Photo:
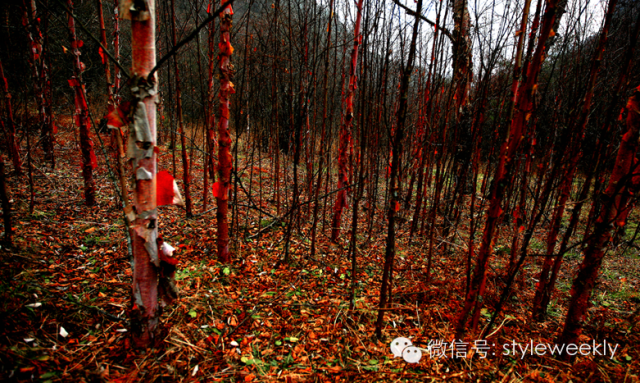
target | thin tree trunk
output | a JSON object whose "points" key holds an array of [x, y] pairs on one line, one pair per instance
{"points": [[6, 207], [10, 130], [523, 110], [105, 61], [622, 184], [345, 131], [224, 139], [181, 132], [32, 23], [395, 169], [209, 171], [580, 126], [89, 161], [321, 154]]}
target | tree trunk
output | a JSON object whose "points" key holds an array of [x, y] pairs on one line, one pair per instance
{"points": [[316, 205], [89, 161], [345, 131], [394, 202], [10, 130], [508, 151], [622, 184], [221, 188], [183, 137], [211, 123], [151, 271], [6, 207], [581, 123]]}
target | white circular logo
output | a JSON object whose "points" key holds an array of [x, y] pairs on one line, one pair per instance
{"points": [[412, 354], [399, 344]]}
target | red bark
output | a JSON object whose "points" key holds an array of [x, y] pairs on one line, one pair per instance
{"points": [[152, 266], [224, 139], [345, 131], [10, 130], [508, 151], [6, 207], [103, 56], [40, 78], [82, 115], [543, 291], [615, 202], [181, 132], [462, 68], [111, 104], [211, 123]]}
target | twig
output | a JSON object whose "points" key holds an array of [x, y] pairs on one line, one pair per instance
{"points": [[99, 310], [411, 12], [278, 219], [198, 349], [497, 329]]}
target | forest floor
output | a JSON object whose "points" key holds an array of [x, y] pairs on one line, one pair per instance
{"points": [[65, 288]]}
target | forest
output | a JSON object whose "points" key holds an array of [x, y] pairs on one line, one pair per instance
{"points": [[320, 190]]}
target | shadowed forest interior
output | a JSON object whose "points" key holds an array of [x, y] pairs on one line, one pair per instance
{"points": [[286, 190]]}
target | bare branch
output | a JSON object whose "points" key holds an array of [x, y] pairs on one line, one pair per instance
{"points": [[411, 12], [191, 36]]}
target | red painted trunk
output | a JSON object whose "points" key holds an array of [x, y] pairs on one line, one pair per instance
{"points": [[221, 188]]}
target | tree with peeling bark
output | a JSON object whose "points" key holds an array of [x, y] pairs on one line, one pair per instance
{"points": [[345, 130], [221, 187], [31, 21], [153, 266], [211, 123], [623, 185], [10, 127], [518, 127], [543, 290], [89, 160], [105, 60]]}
